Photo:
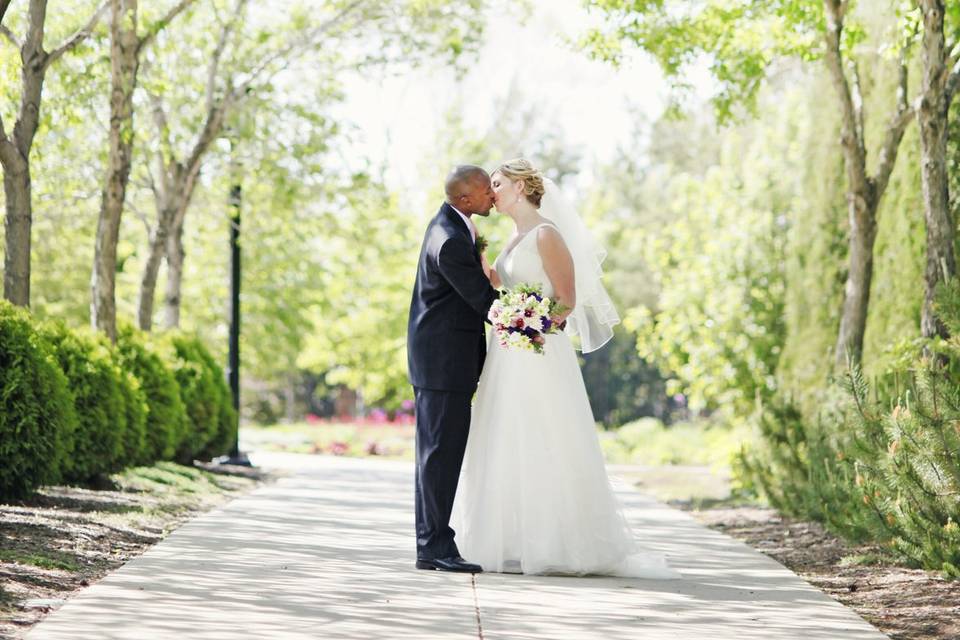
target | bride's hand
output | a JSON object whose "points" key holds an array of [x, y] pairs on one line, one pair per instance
{"points": [[490, 272], [486, 265]]}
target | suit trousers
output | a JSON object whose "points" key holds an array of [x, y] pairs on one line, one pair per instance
{"points": [[443, 422]]}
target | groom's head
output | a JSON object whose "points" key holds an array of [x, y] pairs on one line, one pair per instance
{"points": [[468, 189]]}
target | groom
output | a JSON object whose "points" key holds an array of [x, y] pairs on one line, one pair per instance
{"points": [[445, 351]]}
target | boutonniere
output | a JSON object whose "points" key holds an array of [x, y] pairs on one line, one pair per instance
{"points": [[481, 243]]}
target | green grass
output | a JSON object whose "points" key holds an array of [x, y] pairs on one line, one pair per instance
{"points": [[866, 559], [48, 559], [168, 477], [648, 441]]}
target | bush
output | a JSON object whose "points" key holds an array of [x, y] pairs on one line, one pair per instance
{"points": [[135, 450], [226, 437], [711, 442], [37, 417], [206, 397], [94, 382], [884, 464], [802, 468], [166, 423], [907, 466]]}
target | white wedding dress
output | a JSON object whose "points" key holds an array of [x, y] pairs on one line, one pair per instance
{"points": [[534, 496]]}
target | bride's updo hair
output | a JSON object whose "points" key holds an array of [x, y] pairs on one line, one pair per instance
{"points": [[521, 169]]}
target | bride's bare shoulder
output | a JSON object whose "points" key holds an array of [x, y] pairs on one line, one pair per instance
{"points": [[548, 233]]}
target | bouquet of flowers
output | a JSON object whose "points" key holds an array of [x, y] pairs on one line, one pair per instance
{"points": [[522, 316]]}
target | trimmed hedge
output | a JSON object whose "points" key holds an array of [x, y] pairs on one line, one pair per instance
{"points": [[74, 407], [37, 416], [167, 423], [136, 408], [94, 382], [206, 396], [226, 436]]}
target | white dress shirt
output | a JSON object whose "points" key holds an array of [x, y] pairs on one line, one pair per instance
{"points": [[466, 221]]}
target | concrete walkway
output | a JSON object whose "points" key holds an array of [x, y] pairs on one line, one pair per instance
{"points": [[327, 552]]}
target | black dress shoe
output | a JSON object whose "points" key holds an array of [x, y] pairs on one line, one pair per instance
{"points": [[453, 563]]}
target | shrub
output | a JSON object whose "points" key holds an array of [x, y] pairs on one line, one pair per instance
{"points": [[37, 417], [166, 422], [802, 467], [206, 396], [884, 464], [226, 436], [135, 450], [94, 382]]}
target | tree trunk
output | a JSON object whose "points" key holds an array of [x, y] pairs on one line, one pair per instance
{"points": [[148, 281], [15, 148], [175, 256], [16, 161], [19, 215], [864, 191], [124, 62], [856, 299], [179, 181], [932, 117]]}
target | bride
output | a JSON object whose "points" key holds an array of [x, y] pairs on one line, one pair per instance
{"points": [[534, 496]]}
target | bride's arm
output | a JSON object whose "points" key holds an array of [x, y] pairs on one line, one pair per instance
{"points": [[558, 264], [490, 272]]}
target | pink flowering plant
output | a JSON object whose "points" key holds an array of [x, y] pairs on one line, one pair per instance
{"points": [[522, 316]]}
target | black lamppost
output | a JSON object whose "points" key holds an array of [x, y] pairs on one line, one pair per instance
{"points": [[233, 357]]}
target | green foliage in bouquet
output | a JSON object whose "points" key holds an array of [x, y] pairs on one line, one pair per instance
{"points": [[37, 418]]}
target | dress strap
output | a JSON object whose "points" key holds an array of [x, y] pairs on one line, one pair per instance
{"points": [[542, 224]]}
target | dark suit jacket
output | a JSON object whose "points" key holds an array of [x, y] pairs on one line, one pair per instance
{"points": [[446, 344]]}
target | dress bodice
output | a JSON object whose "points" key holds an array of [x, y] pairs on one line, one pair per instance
{"points": [[523, 264]]}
